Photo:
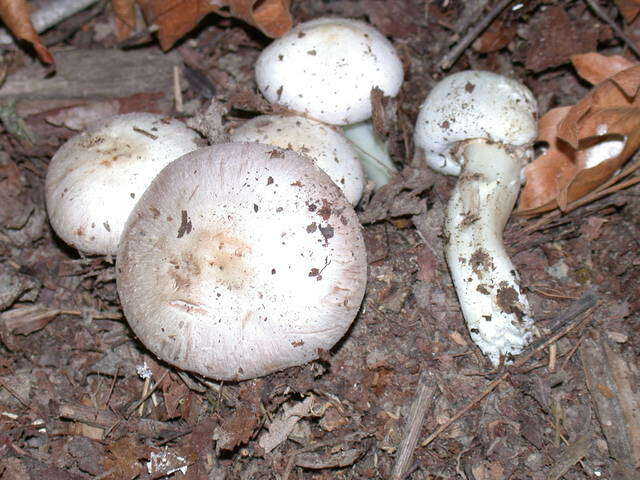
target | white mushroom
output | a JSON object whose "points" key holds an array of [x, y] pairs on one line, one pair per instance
{"points": [[481, 126], [328, 148], [240, 260], [326, 69], [96, 177]]}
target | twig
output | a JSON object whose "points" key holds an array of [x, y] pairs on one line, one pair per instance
{"points": [[565, 322], [145, 389], [113, 384], [177, 90], [353, 437], [73, 24], [95, 315], [174, 436], [450, 58], [145, 133], [614, 26], [146, 395], [553, 355], [607, 188], [425, 396], [104, 474], [15, 395], [50, 14], [570, 354], [108, 420]]}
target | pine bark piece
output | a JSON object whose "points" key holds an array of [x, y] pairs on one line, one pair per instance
{"points": [[611, 380], [570, 456], [92, 74]]}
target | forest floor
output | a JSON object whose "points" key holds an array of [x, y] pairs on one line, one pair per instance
{"points": [[73, 404]]}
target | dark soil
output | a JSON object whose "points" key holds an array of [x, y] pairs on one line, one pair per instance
{"points": [[70, 367]]}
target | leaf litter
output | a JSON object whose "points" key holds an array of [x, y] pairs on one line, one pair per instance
{"points": [[70, 397]]}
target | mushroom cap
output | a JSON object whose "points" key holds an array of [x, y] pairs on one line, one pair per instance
{"points": [[239, 260], [329, 149], [473, 105], [327, 67], [96, 177]]}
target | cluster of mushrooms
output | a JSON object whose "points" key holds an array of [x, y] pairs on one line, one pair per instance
{"points": [[240, 259]]}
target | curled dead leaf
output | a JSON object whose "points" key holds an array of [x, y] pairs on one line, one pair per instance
{"points": [[16, 15], [595, 67], [176, 18], [588, 142], [550, 171], [272, 17]]}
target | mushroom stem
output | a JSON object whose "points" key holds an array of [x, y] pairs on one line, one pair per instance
{"points": [[373, 152], [494, 306]]}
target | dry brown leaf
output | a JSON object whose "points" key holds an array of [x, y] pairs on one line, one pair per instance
{"points": [[629, 9], [16, 15], [550, 171], [595, 67], [565, 173], [175, 18], [125, 17], [495, 37]]}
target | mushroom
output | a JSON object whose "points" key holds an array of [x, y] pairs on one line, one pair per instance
{"points": [[326, 69], [239, 260], [481, 126], [372, 150], [327, 147], [96, 177]]}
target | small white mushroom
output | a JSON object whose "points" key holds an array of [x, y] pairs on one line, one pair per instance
{"points": [[96, 177], [326, 146], [326, 69], [481, 126], [240, 260]]}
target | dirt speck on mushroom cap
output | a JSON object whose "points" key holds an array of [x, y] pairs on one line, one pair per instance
{"points": [[233, 298]]}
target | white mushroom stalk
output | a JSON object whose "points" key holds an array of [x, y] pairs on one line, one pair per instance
{"points": [[482, 125], [373, 151], [326, 69]]}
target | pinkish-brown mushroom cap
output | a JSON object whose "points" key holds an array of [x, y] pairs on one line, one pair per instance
{"points": [[240, 260]]}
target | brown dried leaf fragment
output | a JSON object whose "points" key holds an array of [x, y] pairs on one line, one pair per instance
{"points": [[595, 67], [592, 140], [176, 18], [629, 9], [16, 16], [549, 172], [125, 18], [495, 37]]}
